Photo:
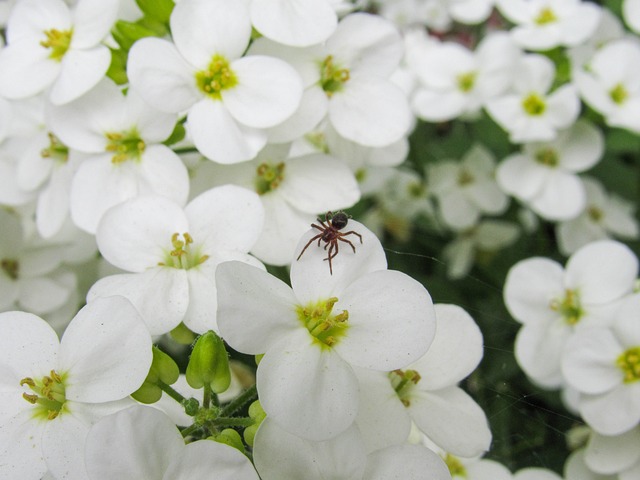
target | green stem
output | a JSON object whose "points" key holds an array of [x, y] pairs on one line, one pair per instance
{"points": [[206, 399], [249, 395], [189, 430], [233, 422], [171, 392], [185, 150]]}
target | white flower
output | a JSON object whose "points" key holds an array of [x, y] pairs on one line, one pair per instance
{"points": [[611, 85], [605, 215], [631, 14], [544, 175], [455, 81], [543, 25], [356, 314], [299, 23], [53, 391], [533, 113], [603, 364], [230, 99], [49, 45], [292, 191], [467, 189], [28, 271], [535, 473], [143, 443], [426, 392], [347, 78], [552, 302], [470, 245], [279, 454], [610, 455], [173, 253], [123, 136]]}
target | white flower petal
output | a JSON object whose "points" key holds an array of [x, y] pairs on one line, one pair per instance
{"points": [[610, 455], [105, 351], [589, 361], [311, 111], [252, 327], [310, 276], [530, 286], [268, 91], [26, 71], [199, 459], [382, 418], [142, 439], [201, 315], [538, 351], [92, 20], [160, 295], [452, 419], [161, 76], [218, 136], [20, 329], [299, 23], [391, 321], [414, 461], [63, 447], [279, 454], [136, 235], [204, 28], [370, 111], [21, 447], [614, 412], [602, 271], [81, 71], [283, 226], [455, 352], [562, 197], [29, 18], [367, 45], [318, 183], [308, 390], [42, 295], [225, 218]]}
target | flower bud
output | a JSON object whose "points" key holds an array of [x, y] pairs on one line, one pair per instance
{"points": [[230, 437], [163, 369], [209, 364]]}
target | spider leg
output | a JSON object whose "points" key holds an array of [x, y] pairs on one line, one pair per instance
{"points": [[313, 225], [307, 245], [354, 233], [333, 251], [347, 241]]}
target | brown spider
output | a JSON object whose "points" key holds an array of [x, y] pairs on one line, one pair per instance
{"points": [[330, 234]]}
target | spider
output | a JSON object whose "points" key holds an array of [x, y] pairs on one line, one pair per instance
{"points": [[330, 234]]}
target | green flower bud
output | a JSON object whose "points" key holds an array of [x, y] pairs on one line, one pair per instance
{"points": [[230, 437], [209, 364], [191, 406], [182, 334], [163, 369]]}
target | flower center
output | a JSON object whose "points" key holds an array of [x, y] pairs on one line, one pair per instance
{"points": [[217, 77], [183, 255], [125, 146], [547, 157], [466, 81], [619, 94], [416, 190], [322, 324], [629, 363], [56, 150], [534, 105], [48, 394], [569, 307], [11, 267], [456, 468], [545, 16], [318, 141], [332, 76], [403, 382], [595, 213], [269, 177], [58, 42], [465, 177]]}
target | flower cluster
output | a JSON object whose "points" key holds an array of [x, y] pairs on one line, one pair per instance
{"points": [[224, 225]]}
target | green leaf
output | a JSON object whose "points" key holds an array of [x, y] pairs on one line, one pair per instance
{"points": [[118, 69], [159, 10]]}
